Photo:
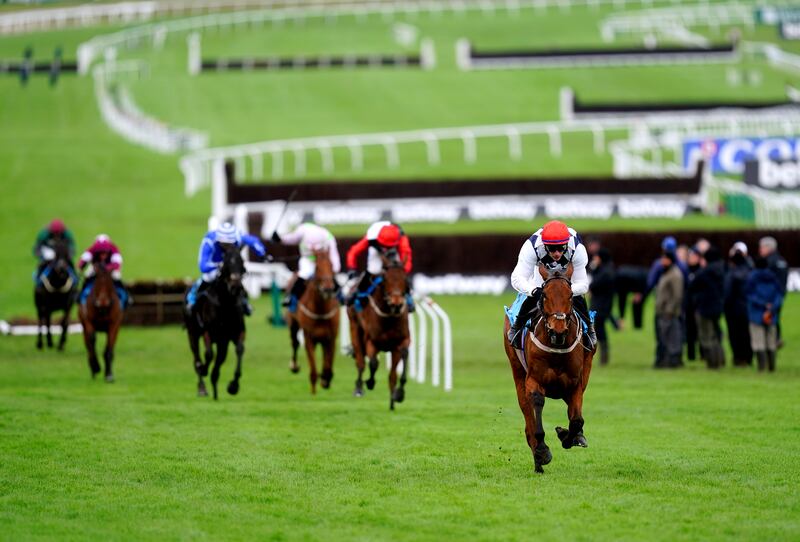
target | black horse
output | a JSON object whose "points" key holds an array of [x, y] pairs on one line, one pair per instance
{"points": [[218, 317], [56, 290]]}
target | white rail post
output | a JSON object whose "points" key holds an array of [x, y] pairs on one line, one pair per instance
{"points": [[514, 144], [435, 341], [219, 189], [427, 54], [277, 162], [356, 155], [422, 346], [470, 154], [555, 140], [392, 156], [598, 139], [432, 147], [412, 354], [463, 55], [327, 156], [447, 346], [299, 160]]}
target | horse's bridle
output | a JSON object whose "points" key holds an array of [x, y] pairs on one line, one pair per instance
{"points": [[393, 310], [552, 335]]}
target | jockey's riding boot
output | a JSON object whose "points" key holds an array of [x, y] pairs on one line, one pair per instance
{"points": [[294, 295], [515, 336], [590, 331]]}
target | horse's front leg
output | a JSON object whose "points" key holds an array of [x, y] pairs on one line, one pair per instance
{"points": [[108, 355], [208, 355], [357, 340], [328, 353], [294, 327], [313, 376], [47, 317], [64, 327], [222, 352], [398, 392], [372, 355], [89, 339], [40, 317], [233, 385], [574, 435], [541, 452]]}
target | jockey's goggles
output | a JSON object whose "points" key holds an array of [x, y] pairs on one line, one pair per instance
{"points": [[562, 247]]}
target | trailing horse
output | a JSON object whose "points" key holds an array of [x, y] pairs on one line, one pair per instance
{"points": [[382, 326], [56, 290], [217, 317], [554, 362], [318, 316], [101, 311]]}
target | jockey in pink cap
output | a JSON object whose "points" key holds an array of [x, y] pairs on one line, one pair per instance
{"points": [[103, 251], [556, 246]]}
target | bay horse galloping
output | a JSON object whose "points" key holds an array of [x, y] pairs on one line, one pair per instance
{"points": [[553, 362], [101, 312], [56, 290], [218, 317], [382, 326], [318, 316]]}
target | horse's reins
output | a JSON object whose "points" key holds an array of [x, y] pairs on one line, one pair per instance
{"points": [[50, 288], [383, 314]]}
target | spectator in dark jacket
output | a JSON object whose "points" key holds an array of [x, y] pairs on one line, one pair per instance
{"points": [[706, 292], [668, 246], [735, 304], [690, 321], [768, 248], [602, 288], [764, 300], [631, 279]]}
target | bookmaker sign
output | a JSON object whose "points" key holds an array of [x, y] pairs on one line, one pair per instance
{"points": [[772, 175], [729, 155]]}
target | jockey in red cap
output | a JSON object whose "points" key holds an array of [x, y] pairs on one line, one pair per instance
{"points": [[105, 252], [555, 245], [383, 238]]}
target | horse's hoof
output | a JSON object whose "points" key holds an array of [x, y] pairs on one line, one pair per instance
{"points": [[233, 387], [538, 468], [543, 456], [391, 404], [399, 395], [358, 392], [109, 378], [295, 368], [562, 433], [39, 346], [202, 393], [370, 383], [580, 440], [325, 384]]}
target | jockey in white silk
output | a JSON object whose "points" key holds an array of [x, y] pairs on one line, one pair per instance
{"points": [[556, 246], [309, 238]]}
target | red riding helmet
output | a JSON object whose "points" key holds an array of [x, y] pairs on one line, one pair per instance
{"points": [[57, 226], [555, 233], [389, 236]]}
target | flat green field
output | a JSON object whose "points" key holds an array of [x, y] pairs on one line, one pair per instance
{"points": [[683, 455]]}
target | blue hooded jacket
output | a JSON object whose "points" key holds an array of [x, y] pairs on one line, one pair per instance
{"points": [[763, 288]]}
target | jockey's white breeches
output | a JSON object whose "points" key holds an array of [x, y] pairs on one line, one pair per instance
{"points": [[374, 262], [210, 275], [306, 268]]}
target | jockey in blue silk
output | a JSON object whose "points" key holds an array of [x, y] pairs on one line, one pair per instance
{"points": [[212, 253], [556, 246]]}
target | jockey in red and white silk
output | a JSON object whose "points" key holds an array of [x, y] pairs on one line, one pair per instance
{"points": [[555, 245], [103, 250], [381, 237]]}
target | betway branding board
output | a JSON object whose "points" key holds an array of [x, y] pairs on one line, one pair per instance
{"points": [[773, 175], [729, 155]]}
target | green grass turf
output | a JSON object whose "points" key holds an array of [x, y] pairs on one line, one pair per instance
{"points": [[682, 455]]}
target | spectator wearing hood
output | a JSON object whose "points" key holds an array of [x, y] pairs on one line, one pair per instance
{"points": [[735, 304], [693, 258], [707, 295]]}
